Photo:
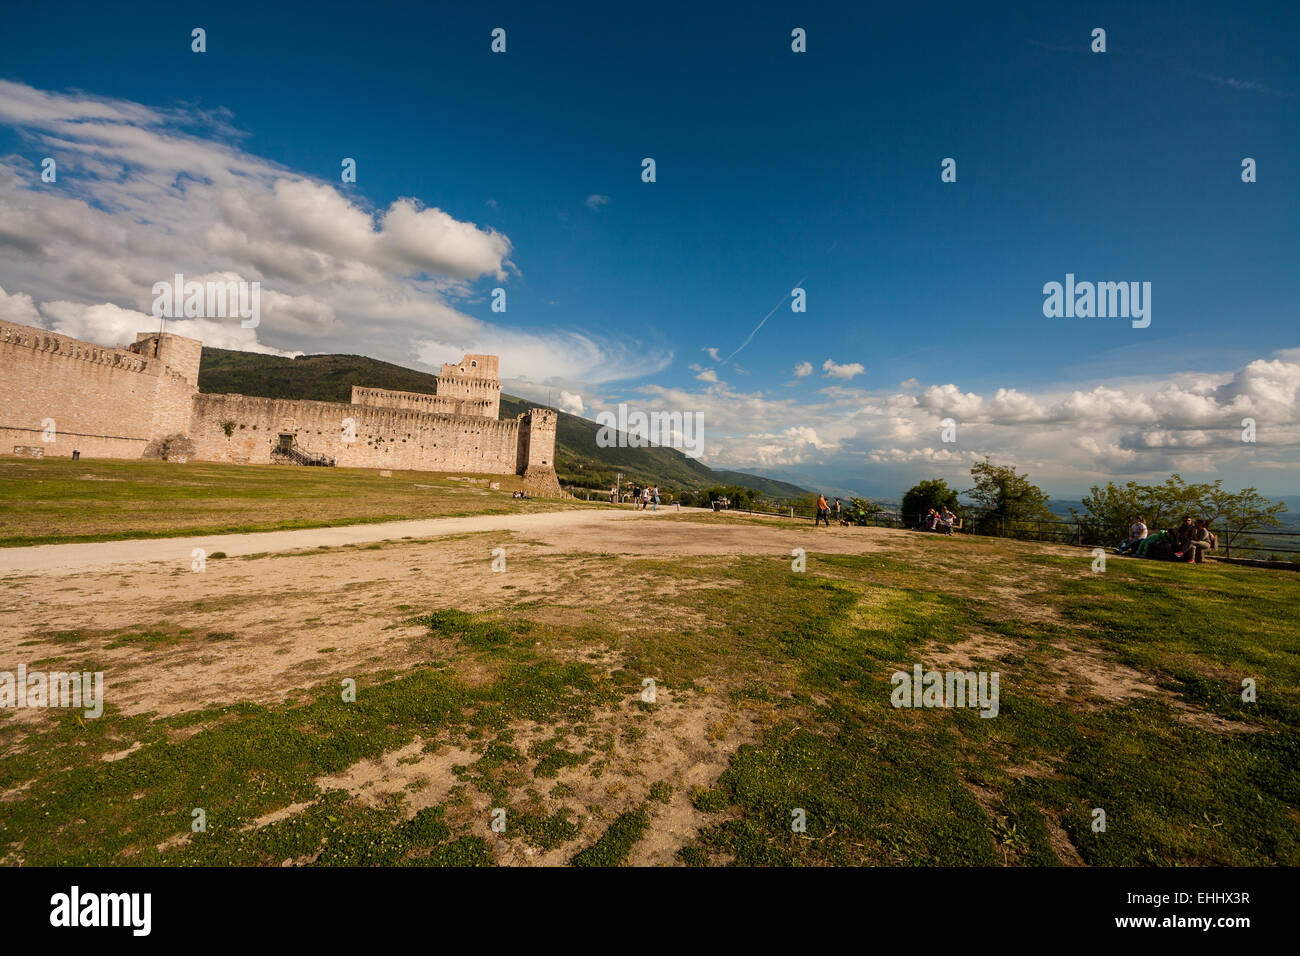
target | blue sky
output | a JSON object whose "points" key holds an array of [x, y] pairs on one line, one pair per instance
{"points": [[771, 167]]}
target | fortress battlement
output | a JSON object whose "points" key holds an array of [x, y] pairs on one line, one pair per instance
{"points": [[143, 401], [421, 401], [379, 416], [41, 340]]}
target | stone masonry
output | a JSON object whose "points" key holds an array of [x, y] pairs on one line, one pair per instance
{"points": [[61, 394]]}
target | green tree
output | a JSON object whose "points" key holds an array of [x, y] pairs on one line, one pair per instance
{"points": [[931, 493], [1168, 502], [1006, 498], [739, 496], [1111, 509], [805, 506], [860, 509], [1246, 510], [1109, 512]]}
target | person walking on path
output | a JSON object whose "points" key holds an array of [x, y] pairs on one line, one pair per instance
{"points": [[655, 497], [823, 511], [838, 517]]}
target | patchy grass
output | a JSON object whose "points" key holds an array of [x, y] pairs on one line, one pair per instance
{"points": [[1119, 692], [616, 842], [246, 761], [54, 500]]}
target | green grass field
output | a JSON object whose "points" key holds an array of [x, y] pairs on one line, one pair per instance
{"points": [[545, 696], [54, 500]]}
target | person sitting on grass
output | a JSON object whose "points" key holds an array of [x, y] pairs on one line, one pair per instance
{"points": [[930, 520], [1136, 532], [1154, 546], [1200, 541], [946, 520]]}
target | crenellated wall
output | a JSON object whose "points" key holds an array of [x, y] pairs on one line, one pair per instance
{"points": [[143, 401], [103, 402], [422, 402], [381, 437]]}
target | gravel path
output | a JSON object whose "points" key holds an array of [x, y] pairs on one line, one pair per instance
{"points": [[101, 555]]}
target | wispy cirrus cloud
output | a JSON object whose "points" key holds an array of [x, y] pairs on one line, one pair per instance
{"points": [[1246, 86]]}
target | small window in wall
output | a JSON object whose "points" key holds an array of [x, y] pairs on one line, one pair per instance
{"points": [[473, 364], [286, 441]]}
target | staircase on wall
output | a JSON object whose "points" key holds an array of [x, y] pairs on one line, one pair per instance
{"points": [[293, 455]]}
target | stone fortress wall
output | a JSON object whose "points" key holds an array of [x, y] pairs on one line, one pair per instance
{"points": [[422, 402], [143, 401], [104, 402]]}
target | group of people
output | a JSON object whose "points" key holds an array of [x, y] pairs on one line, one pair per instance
{"points": [[1188, 542], [647, 497], [824, 512], [941, 521]]}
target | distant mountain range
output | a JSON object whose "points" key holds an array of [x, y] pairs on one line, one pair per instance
{"points": [[578, 459]]}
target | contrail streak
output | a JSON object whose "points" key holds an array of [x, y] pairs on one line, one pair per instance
{"points": [[761, 324]]}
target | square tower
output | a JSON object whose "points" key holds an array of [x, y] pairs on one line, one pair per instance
{"points": [[473, 378], [180, 354], [474, 366]]}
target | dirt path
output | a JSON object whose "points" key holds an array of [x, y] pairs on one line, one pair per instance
{"points": [[284, 602], [281, 616], [98, 556]]}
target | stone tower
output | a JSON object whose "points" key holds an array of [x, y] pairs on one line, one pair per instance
{"points": [[536, 457], [180, 354], [474, 378], [177, 359]]}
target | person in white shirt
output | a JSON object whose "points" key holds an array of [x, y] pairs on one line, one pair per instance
{"points": [[1136, 532]]}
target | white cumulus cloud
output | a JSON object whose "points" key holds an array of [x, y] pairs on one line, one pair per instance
{"points": [[145, 193], [834, 370]]}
